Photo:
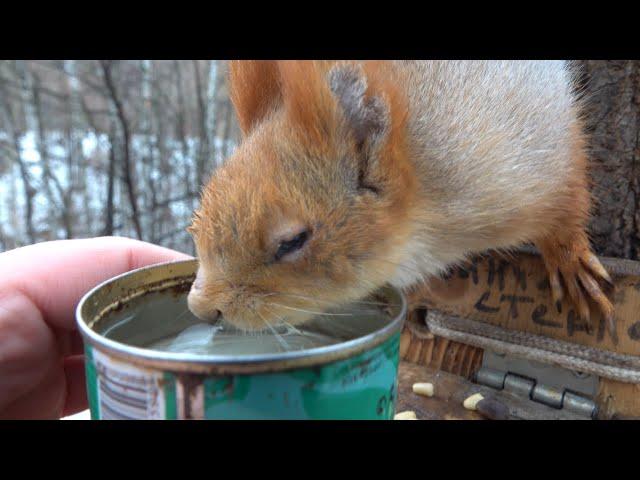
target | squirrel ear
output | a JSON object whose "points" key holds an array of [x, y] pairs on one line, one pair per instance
{"points": [[367, 116], [254, 89]]}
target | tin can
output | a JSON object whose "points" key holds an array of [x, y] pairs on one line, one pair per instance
{"points": [[355, 379]]}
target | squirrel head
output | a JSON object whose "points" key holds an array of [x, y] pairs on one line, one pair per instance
{"points": [[312, 209]]}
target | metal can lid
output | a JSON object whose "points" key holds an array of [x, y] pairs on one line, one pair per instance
{"points": [[172, 278]]}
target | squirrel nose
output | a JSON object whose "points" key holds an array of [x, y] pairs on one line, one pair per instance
{"points": [[210, 316], [202, 308], [203, 312]]}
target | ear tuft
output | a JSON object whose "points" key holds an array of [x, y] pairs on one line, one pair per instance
{"points": [[367, 116]]}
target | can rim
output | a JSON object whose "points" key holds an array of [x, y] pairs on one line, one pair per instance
{"points": [[227, 363]]}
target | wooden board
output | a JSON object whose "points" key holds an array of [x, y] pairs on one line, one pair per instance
{"points": [[419, 346], [451, 390], [513, 292]]}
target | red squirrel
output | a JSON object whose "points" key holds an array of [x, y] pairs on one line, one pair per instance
{"points": [[353, 174]]}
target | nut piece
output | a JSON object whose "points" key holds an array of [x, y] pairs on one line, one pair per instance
{"points": [[408, 415], [472, 402], [425, 389]]}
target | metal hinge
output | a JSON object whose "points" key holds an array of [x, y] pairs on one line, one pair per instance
{"points": [[555, 387]]}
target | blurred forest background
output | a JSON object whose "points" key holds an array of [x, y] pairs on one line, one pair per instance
{"points": [[122, 147], [93, 148]]}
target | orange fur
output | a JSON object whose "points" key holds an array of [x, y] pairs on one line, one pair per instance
{"points": [[450, 167], [294, 167], [254, 89]]}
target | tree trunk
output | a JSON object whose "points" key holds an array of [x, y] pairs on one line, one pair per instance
{"points": [[126, 134], [149, 165], [108, 221], [613, 121], [226, 136], [212, 110], [38, 125], [76, 163], [12, 124], [181, 133], [205, 147]]}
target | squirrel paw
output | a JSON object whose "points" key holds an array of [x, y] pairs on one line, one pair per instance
{"points": [[576, 270]]}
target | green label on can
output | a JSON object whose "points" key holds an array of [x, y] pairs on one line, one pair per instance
{"points": [[92, 382], [169, 388], [362, 387]]}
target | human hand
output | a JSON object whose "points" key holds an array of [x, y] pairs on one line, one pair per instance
{"points": [[41, 363]]}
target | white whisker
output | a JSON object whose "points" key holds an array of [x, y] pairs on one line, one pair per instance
{"points": [[285, 323], [281, 340], [310, 311]]}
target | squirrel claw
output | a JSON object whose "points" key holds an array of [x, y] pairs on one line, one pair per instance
{"points": [[577, 296], [594, 291], [556, 289], [584, 278], [591, 262]]}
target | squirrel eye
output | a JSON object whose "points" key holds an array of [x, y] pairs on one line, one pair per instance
{"points": [[290, 246]]}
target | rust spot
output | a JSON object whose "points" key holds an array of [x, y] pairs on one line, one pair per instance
{"points": [[176, 290]]}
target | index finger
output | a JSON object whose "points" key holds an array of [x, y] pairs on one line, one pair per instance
{"points": [[55, 275]]}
